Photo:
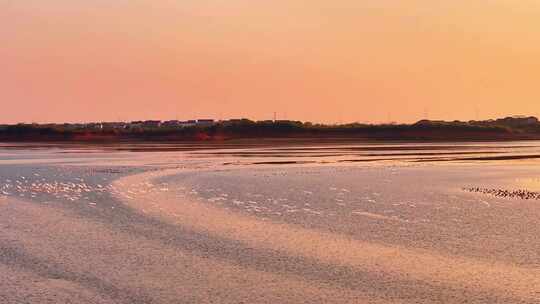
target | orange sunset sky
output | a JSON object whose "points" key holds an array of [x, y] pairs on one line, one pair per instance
{"points": [[317, 60]]}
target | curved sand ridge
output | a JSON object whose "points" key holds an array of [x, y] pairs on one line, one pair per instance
{"points": [[55, 256], [446, 272]]}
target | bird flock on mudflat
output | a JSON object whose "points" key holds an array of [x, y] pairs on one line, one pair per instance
{"points": [[519, 194]]}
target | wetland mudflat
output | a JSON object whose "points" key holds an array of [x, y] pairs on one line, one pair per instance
{"points": [[332, 223]]}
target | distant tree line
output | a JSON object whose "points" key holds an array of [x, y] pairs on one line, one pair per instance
{"points": [[507, 128]]}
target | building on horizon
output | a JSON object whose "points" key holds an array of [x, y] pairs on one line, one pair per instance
{"points": [[152, 123], [205, 122]]}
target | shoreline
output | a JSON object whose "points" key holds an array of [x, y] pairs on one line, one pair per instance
{"points": [[269, 140]]}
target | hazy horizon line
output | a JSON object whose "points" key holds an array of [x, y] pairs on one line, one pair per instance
{"points": [[262, 120]]}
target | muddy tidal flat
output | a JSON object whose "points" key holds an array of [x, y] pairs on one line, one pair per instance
{"points": [[270, 223]]}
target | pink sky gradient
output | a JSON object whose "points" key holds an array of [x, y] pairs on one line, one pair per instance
{"points": [[328, 61]]}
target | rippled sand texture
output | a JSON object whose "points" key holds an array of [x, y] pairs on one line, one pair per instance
{"points": [[154, 227], [454, 276]]}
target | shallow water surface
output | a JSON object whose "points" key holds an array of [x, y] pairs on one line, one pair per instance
{"points": [[270, 223]]}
